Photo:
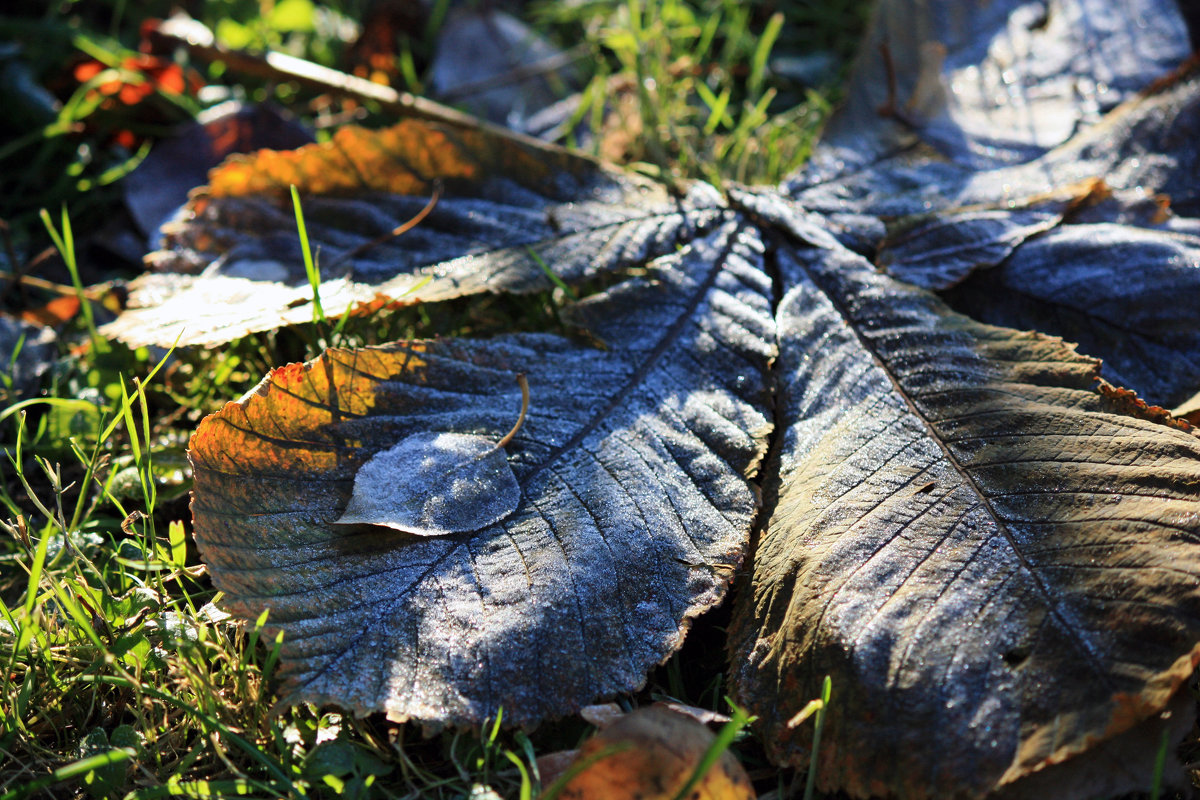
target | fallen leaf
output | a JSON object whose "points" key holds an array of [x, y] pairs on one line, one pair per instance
{"points": [[601, 714], [1129, 264], [941, 252], [551, 766], [649, 754], [977, 538], [55, 312], [632, 464], [434, 483], [508, 208]]}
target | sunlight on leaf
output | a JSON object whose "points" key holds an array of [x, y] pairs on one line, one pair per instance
{"points": [[635, 502], [507, 208]]}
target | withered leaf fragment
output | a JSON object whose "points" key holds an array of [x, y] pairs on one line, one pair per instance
{"points": [[650, 754], [234, 265], [633, 467], [433, 483]]}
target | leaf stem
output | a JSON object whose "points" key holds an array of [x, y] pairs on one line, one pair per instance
{"points": [[524, 384], [392, 234]]}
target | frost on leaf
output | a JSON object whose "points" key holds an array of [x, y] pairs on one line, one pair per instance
{"points": [[968, 537], [233, 264], [973, 536], [633, 466], [434, 483]]}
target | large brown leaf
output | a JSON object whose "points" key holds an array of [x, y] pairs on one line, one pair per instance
{"points": [[974, 541], [634, 511], [507, 208]]}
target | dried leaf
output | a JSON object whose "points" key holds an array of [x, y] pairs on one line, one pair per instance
{"points": [[601, 714], [431, 484], [650, 754], [508, 207], [939, 253], [634, 500], [1021, 90]]}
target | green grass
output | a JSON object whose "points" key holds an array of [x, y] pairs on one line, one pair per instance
{"points": [[121, 676], [684, 90]]}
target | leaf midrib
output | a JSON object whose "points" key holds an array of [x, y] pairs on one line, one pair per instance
{"points": [[669, 337], [1048, 597], [649, 362]]}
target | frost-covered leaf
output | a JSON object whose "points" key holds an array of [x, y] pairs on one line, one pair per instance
{"points": [[1129, 294], [990, 84], [980, 542], [633, 466], [1111, 269], [941, 252], [1089, 240], [975, 539], [969, 537], [234, 263], [438, 482], [997, 104], [434, 483]]}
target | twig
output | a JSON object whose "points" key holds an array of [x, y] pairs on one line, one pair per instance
{"points": [[518, 74], [200, 42], [890, 108], [95, 292]]}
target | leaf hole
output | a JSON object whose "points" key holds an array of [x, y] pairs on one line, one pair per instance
{"points": [[1016, 657]]}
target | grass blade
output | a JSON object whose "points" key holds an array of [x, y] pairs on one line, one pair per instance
{"points": [[810, 783], [310, 266], [720, 744]]}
